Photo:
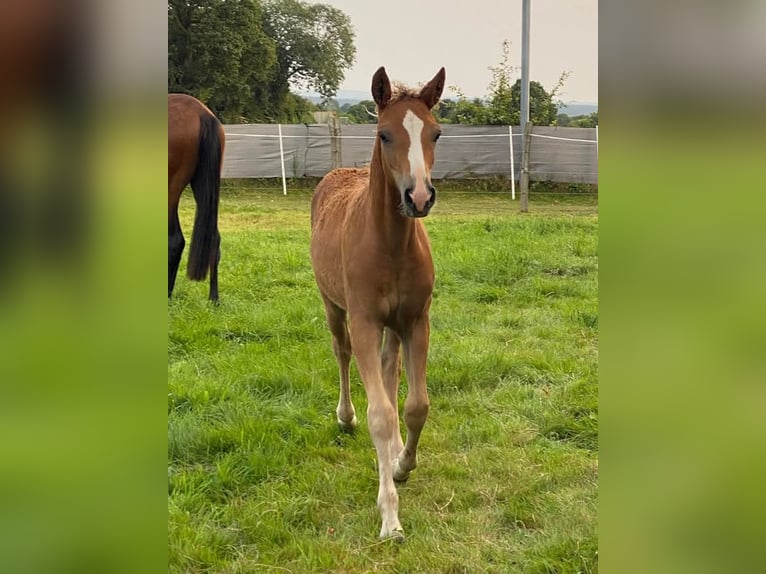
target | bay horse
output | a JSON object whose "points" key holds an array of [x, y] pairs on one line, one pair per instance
{"points": [[196, 143], [372, 263]]}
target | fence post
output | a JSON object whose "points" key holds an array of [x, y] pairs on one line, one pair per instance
{"points": [[513, 169], [524, 180], [282, 158], [335, 155]]}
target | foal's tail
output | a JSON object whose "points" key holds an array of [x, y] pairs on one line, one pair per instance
{"points": [[206, 184]]}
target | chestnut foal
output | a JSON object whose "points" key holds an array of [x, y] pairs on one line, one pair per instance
{"points": [[372, 263]]}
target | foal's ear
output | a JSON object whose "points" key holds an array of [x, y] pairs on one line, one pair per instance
{"points": [[381, 88], [432, 91]]}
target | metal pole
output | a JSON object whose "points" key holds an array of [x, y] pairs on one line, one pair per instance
{"points": [[524, 179], [525, 20]]}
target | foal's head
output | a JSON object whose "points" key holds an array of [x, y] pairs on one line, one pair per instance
{"points": [[407, 134]]}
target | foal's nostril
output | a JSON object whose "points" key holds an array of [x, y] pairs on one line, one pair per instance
{"points": [[432, 199], [409, 201]]}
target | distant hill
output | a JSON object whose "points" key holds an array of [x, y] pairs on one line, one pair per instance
{"points": [[578, 108], [355, 96], [342, 97]]}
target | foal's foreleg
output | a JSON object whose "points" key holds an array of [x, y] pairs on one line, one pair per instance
{"points": [[416, 406], [392, 371], [381, 419], [341, 344]]}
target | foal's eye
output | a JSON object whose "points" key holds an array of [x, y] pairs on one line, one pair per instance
{"points": [[384, 137], [436, 136]]}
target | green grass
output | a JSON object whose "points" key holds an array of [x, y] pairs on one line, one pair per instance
{"points": [[261, 480]]}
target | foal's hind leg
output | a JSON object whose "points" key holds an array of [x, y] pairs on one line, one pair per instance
{"points": [[176, 244], [392, 371], [341, 344]]}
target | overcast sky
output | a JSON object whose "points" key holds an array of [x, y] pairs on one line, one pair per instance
{"points": [[414, 38]]}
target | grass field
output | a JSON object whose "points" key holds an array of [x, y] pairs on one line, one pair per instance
{"points": [[260, 479]]}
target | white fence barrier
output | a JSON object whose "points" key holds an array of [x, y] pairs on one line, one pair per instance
{"points": [[272, 151]]}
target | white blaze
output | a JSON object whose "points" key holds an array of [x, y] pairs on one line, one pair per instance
{"points": [[414, 126]]}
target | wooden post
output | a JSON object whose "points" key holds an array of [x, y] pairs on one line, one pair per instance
{"points": [[524, 179], [335, 155]]}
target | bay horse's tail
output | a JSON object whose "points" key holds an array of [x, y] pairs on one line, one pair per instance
{"points": [[206, 184]]}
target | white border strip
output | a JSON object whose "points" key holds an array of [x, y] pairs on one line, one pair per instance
{"points": [[562, 139], [474, 136]]}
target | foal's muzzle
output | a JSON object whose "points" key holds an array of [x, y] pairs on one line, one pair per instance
{"points": [[411, 208]]}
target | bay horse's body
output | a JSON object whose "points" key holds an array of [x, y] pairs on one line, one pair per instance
{"points": [[372, 263], [196, 143]]}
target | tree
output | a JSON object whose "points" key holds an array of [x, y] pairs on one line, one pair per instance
{"points": [[472, 112], [240, 57], [362, 112], [505, 98], [501, 110], [589, 121], [542, 109], [465, 111], [219, 52], [503, 104], [315, 45], [444, 110], [297, 110]]}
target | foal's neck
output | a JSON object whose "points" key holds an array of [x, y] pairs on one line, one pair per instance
{"points": [[386, 218]]}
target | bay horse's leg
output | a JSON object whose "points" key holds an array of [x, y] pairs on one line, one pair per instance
{"points": [[416, 405], [366, 339], [392, 371], [214, 260], [341, 344], [176, 244]]}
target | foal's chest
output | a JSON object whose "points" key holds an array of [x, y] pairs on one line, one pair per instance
{"points": [[406, 295]]}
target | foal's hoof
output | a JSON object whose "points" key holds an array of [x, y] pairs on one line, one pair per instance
{"points": [[396, 535], [400, 475], [348, 426]]}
